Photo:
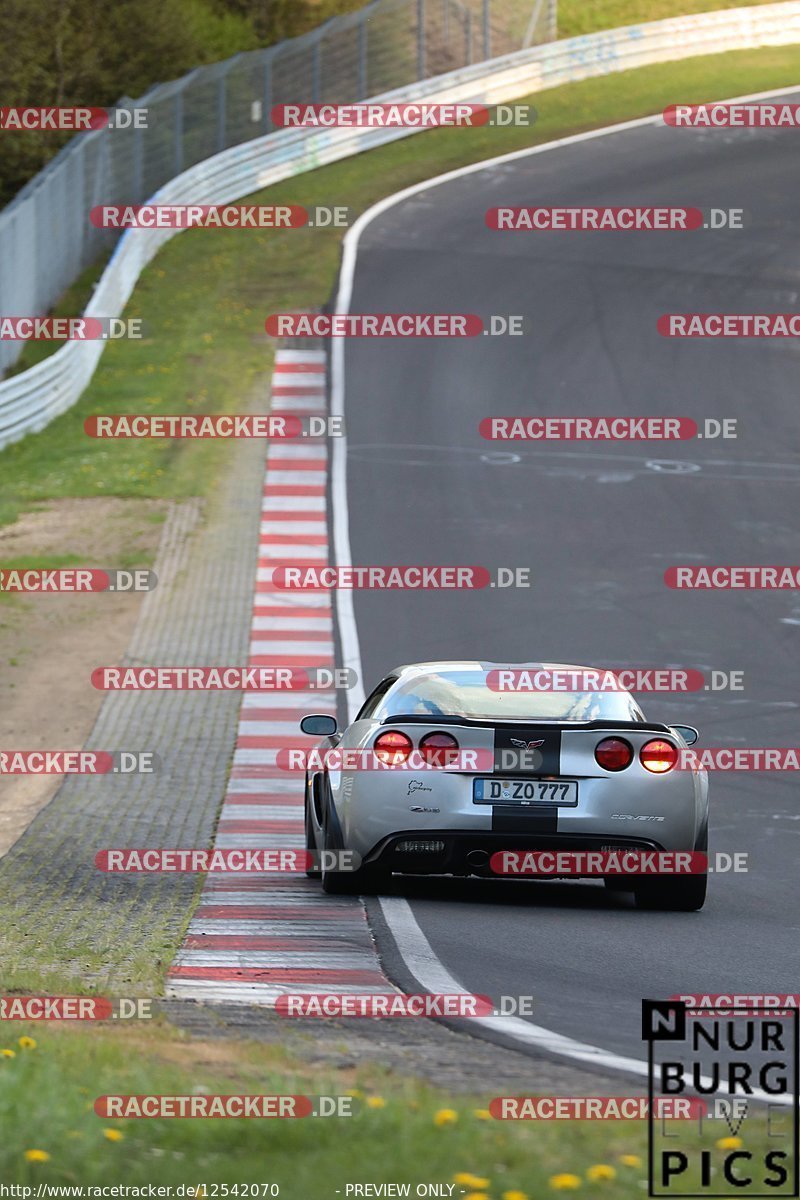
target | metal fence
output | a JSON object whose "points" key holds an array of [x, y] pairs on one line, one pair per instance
{"points": [[46, 239]]}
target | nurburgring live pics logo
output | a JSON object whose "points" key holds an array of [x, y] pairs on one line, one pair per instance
{"points": [[731, 1059]]}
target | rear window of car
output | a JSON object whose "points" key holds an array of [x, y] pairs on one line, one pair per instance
{"points": [[467, 694]]}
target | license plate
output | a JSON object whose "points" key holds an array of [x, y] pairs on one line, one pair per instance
{"points": [[525, 791]]}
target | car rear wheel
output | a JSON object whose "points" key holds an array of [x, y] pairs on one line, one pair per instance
{"points": [[363, 881], [687, 894], [311, 840]]}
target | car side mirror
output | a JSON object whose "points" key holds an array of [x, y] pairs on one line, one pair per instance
{"points": [[319, 725], [687, 732]]}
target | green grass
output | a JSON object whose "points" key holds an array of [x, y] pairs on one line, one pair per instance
{"points": [[588, 16], [47, 1095], [205, 296]]}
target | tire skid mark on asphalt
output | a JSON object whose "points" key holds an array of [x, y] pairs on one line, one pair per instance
{"points": [[255, 937]]}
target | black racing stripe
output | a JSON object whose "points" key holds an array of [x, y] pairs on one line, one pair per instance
{"points": [[527, 750], [542, 819]]}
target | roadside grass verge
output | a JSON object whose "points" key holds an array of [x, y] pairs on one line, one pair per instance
{"points": [[205, 297], [401, 1131], [587, 16]]}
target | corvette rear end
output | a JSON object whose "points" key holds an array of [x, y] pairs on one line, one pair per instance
{"points": [[439, 772]]}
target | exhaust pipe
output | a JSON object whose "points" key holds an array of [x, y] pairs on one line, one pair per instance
{"points": [[478, 859]]}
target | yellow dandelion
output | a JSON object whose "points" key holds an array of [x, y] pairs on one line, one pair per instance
{"points": [[729, 1143], [445, 1116], [27, 1043], [514, 1195], [113, 1135], [8, 1053], [600, 1172], [37, 1156], [565, 1182], [476, 1182], [356, 1092], [376, 1102], [630, 1160], [482, 1114]]}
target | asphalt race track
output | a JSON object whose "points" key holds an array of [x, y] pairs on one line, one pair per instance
{"points": [[598, 523]]}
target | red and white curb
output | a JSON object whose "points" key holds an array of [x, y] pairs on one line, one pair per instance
{"points": [[255, 937]]}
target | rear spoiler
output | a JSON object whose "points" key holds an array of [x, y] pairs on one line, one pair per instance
{"points": [[507, 722]]}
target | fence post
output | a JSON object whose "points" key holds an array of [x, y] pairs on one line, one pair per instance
{"points": [[266, 92], [138, 155], [179, 131], [487, 30], [420, 39], [221, 110], [552, 20], [316, 72], [363, 82], [468, 36]]}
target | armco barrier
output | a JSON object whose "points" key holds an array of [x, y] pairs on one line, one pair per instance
{"points": [[30, 400]]}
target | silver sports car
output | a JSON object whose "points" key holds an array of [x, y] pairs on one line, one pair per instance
{"points": [[444, 769]]}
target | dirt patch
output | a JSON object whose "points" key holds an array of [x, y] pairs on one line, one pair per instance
{"points": [[49, 644]]}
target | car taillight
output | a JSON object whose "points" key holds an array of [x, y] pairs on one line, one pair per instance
{"points": [[613, 754], [439, 749], [658, 756], [393, 747]]}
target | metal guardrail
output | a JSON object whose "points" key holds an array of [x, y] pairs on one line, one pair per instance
{"points": [[30, 400]]}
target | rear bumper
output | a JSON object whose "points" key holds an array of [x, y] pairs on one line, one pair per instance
{"points": [[468, 852]]}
